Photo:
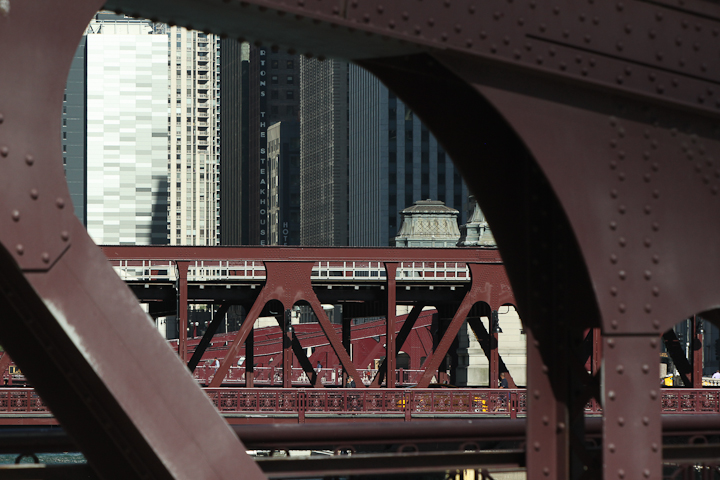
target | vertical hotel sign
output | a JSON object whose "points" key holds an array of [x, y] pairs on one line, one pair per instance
{"points": [[262, 55]]}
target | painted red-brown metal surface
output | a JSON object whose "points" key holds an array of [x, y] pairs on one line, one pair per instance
{"points": [[587, 131]]}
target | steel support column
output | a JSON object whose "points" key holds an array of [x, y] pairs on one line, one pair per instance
{"points": [[494, 354], [182, 309], [287, 353], [547, 448], [390, 352], [400, 340], [697, 351], [632, 427]]}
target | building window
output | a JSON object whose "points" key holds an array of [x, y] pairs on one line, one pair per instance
{"points": [[273, 64], [273, 94], [290, 110], [290, 64], [274, 79], [290, 95], [290, 80]]}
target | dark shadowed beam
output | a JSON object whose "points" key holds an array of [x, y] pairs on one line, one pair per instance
{"points": [[399, 342], [218, 317]]}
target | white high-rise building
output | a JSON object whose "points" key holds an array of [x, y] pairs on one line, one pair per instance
{"points": [[127, 138], [193, 151]]}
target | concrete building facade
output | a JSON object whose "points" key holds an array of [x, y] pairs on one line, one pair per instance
{"points": [[126, 125], [192, 124], [284, 183]]}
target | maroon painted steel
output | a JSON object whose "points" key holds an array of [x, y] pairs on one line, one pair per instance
{"points": [[697, 353], [603, 114], [485, 288], [182, 316], [287, 283], [390, 351]]}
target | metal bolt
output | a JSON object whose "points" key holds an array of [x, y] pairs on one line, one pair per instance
{"points": [[656, 323], [613, 291], [621, 209], [536, 446], [648, 274], [545, 420], [65, 235], [15, 215], [29, 159], [613, 258], [561, 426], [611, 343], [621, 473], [20, 249], [546, 471], [653, 394], [60, 202], [622, 308], [614, 193], [611, 395], [621, 421], [656, 258], [45, 257], [654, 447], [611, 448], [34, 193], [614, 324], [646, 421], [645, 368], [646, 473], [536, 394], [613, 225], [620, 369], [4, 150]]}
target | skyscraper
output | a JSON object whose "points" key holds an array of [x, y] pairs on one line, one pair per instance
{"points": [[234, 147], [283, 165], [273, 97], [324, 152], [193, 154], [126, 83], [393, 162]]}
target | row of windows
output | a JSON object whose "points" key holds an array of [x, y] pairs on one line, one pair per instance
{"points": [[290, 80], [289, 94], [290, 64]]}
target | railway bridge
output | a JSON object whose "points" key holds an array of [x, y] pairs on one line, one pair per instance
{"points": [[587, 130]]}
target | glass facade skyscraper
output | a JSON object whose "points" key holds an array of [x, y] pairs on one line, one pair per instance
{"points": [[393, 162]]}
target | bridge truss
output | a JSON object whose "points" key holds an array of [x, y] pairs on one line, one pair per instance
{"points": [[587, 130]]}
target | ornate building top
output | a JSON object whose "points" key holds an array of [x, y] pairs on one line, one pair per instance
{"points": [[476, 232], [428, 223]]}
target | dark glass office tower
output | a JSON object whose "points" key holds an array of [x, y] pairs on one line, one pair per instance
{"points": [[393, 162]]}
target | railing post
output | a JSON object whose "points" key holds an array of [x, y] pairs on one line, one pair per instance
{"points": [[301, 405], [407, 400], [513, 404]]}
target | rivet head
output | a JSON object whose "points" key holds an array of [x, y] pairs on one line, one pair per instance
{"points": [[613, 258], [536, 446], [19, 249], [656, 291], [65, 235], [2, 118], [611, 395], [613, 291], [545, 420], [646, 473], [45, 257], [29, 159], [621, 421], [561, 426], [614, 324], [545, 369], [622, 308], [536, 394], [60, 202], [645, 368], [611, 448], [613, 225], [16, 215], [656, 323], [622, 241], [611, 343], [546, 471], [34, 193], [620, 369], [654, 447], [621, 473], [646, 421], [653, 343], [4, 150], [648, 308], [622, 274], [653, 394], [648, 274]]}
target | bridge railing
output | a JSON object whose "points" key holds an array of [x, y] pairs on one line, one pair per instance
{"points": [[408, 402], [272, 376], [228, 270]]}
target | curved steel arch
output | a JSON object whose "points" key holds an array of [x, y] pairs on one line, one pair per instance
{"points": [[615, 106]]}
